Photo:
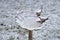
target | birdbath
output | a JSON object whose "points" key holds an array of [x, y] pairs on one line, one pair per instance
{"points": [[31, 22]]}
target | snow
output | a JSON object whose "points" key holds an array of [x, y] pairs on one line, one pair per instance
{"points": [[10, 30]]}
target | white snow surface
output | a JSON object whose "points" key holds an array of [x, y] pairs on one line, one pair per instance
{"points": [[10, 30]]}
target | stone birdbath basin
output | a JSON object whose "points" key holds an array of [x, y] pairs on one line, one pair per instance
{"points": [[31, 23]]}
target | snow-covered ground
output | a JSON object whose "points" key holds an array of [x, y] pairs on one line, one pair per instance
{"points": [[10, 30]]}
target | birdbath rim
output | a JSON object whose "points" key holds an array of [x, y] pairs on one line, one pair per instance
{"points": [[32, 28]]}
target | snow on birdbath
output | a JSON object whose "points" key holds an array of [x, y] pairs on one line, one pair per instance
{"points": [[29, 23]]}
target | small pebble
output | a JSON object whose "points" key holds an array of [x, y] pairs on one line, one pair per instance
{"points": [[17, 27], [1, 24], [17, 37]]}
